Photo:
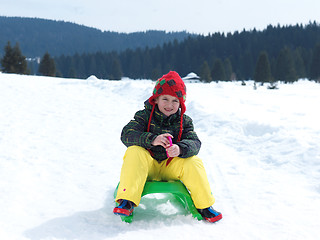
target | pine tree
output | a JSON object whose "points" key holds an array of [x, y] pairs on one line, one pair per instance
{"points": [[47, 66], [156, 72], [315, 64], [205, 74], [92, 65], [262, 72], [7, 60], [285, 66], [228, 69], [135, 64], [147, 63], [299, 64], [116, 70], [13, 61], [218, 72]]}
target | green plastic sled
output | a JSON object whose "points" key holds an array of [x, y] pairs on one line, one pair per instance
{"points": [[176, 188]]}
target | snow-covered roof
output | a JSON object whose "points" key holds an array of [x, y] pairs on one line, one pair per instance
{"points": [[191, 76]]}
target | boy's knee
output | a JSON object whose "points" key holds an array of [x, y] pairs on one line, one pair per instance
{"points": [[193, 162], [136, 154], [136, 150]]}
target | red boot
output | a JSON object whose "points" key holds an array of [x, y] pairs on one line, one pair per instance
{"points": [[210, 215], [125, 208]]}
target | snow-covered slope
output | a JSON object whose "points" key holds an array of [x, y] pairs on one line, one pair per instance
{"points": [[61, 154]]}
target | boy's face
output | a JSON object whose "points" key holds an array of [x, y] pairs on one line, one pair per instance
{"points": [[168, 104]]}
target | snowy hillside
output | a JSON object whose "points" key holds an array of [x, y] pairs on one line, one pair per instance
{"points": [[61, 154]]}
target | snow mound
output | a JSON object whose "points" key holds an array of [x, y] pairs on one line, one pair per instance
{"points": [[61, 155]]}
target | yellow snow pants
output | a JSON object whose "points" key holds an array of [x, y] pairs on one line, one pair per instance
{"points": [[138, 167]]}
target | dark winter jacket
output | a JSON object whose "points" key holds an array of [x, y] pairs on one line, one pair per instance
{"points": [[135, 132]]}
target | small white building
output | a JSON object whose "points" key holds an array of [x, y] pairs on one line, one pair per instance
{"points": [[191, 78]]}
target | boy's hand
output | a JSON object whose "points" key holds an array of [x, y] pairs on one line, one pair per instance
{"points": [[173, 151], [162, 140]]}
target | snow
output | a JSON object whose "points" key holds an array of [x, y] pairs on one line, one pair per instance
{"points": [[61, 155], [191, 75]]}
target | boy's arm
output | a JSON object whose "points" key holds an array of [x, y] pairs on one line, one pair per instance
{"points": [[190, 143], [135, 132]]}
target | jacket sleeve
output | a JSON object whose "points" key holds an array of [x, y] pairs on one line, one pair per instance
{"points": [[135, 132], [190, 143]]}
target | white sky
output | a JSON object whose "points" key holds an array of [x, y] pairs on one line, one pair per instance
{"points": [[198, 16]]}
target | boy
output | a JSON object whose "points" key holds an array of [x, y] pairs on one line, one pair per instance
{"points": [[150, 156]]}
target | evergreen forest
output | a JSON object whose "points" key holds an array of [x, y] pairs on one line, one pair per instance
{"points": [[284, 53], [38, 36], [290, 52]]}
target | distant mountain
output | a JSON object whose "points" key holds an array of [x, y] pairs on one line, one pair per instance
{"points": [[37, 36]]}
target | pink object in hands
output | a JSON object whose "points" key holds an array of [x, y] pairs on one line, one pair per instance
{"points": [[170, 140]]}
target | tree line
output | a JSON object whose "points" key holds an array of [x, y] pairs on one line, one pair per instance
{"points": [[38, 36], [14, 61], [291, 53], [276, 53]]}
